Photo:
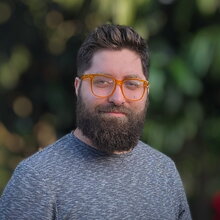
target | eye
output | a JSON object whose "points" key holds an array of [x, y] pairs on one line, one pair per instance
{"points": [[102, 82], [132, 84]]}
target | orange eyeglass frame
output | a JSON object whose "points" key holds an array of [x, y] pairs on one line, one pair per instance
{"points": [[117, 82]]}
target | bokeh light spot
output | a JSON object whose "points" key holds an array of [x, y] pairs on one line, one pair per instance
{"points": [[53, 19], [12, 142], [5, 12], [45, 133], [66, 29], [22, 106], [208, 7], [15, 66]]}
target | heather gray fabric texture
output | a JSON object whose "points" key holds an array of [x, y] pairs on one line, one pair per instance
{"points": [[71, 180]]}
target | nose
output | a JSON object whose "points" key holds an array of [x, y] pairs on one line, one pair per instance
{"points": [[117, 97]]}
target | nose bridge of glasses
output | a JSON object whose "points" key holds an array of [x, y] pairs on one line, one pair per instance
{"points": [[118, 82], [117, 95]]}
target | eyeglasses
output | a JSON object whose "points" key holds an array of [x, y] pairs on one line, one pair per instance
{"points": [[104, 86]]}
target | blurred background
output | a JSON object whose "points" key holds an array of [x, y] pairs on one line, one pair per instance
{"points": [[38, 46]]}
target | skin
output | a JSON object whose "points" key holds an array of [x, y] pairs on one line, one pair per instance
{"points": [[120, 64]]}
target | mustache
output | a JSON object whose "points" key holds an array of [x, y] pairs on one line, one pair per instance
{"points": [[112, 108]]}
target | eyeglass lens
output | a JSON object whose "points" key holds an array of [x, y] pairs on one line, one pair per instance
{"points": [[104, 86]]}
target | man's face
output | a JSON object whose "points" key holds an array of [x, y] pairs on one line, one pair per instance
{"points": [[114, 123]]}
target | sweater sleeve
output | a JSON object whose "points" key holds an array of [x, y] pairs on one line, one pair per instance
{"points": [[27, 196]]}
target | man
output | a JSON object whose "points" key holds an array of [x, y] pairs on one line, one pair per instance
{"points": [[101, 170]]}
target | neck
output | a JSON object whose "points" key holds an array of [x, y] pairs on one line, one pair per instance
{"points": [[78, 133]]}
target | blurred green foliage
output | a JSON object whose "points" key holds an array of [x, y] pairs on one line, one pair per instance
{"points": [[38, 45]]}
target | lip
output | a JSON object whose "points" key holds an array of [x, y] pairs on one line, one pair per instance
{"points": [[116, 114]]}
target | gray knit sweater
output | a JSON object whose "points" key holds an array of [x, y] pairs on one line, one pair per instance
{"points": [[71, 180]]}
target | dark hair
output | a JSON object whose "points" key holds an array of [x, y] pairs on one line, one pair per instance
{"points": [[113, 37]]}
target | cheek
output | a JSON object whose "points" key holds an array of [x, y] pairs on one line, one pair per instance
{"points": [[139, 105], [85, 92], [89, 99]]}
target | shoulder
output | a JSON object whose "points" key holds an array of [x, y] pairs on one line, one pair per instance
{"points": [[160, 167], [152, 153], [163, 171], [49, 159], [155, 159], [43, 169]]}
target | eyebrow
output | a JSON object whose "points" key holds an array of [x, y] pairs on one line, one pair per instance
{"points": [[133, 76]]}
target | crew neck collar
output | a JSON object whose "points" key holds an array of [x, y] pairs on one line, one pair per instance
{"points": [[97, 151]]}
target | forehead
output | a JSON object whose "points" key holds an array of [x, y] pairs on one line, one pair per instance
{"points": [[117, 63]]}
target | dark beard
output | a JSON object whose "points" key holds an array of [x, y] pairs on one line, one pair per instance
{"points": [[110, 134]]}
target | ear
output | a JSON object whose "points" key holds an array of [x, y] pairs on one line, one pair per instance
{"points": [[148, 90], [77, 85]]}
